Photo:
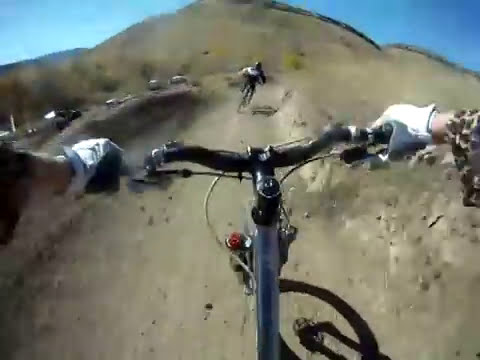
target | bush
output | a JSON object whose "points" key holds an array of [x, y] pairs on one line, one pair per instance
{"points": [[185, 68], [108, 84], [147, 71], [293, 62]]}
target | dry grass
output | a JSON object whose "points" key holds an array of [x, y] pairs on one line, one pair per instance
{"points": [[347, 76]]}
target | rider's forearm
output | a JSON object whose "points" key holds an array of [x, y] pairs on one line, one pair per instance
{"points": [[439, 127]]}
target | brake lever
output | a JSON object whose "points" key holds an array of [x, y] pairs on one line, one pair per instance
{"points": [[154, 176], [358, 155]]}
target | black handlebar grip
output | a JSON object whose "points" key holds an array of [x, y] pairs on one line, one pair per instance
{"points": [[382, 134], [354, 154]]}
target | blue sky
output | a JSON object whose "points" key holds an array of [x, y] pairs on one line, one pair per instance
{"points": [[29, 28]]}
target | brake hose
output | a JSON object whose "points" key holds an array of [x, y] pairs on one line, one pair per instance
{"points": [[217, 238]]}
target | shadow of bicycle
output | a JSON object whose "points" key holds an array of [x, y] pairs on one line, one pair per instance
{"points": [[366, 346]]}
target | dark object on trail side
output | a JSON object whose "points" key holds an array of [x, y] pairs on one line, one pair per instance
{"points": [[62, 118]]}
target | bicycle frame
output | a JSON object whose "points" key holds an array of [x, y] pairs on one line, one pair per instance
{"points": [[266, 215], [266, 265]]}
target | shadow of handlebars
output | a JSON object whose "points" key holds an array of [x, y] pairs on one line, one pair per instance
{"points": [[366, 346]]}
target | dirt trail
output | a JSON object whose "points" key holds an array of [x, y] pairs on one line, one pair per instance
{"points": [[131, 277]]}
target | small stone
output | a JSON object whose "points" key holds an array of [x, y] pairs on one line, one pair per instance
{"points": [[170, 198], [392, 243], [424, 285], [398, 311], [142, 208], [154, 322], [209, 306], [306, 215], [430, 159], [424, 217], [378, 217], [230, 224], [167, 219], [428, 260], [393, 228], [142, 333], [457, 353], [478, 355], [437, 274], [150, 221]]}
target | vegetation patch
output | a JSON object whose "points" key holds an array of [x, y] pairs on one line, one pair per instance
{"points": [[293, 61]]}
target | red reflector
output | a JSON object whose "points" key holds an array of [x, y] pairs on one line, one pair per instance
{"points": [[234, 241]]}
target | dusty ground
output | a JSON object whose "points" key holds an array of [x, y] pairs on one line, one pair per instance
{"points": [[381, 263]]}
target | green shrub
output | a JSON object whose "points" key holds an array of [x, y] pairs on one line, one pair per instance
{"points": [[108, 84], [293, 61], [147, 71]]}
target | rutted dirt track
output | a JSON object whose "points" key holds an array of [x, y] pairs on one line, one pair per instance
{"points": [[138, 276]]}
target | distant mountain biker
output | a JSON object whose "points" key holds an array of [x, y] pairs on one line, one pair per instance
{"points": [[96, 164], [253, 75]]}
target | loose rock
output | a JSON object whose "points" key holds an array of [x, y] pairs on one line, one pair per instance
{"points": [[423, 284], [428, 260]]}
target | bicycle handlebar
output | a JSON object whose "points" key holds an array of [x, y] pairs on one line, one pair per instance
{"points": [[228, 161]]}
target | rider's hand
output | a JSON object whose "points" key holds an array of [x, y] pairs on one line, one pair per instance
{"points": [[411, 129], [96, 164], [157, 157]]}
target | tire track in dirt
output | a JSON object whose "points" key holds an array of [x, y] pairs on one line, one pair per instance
{"points": [[132, 276]]}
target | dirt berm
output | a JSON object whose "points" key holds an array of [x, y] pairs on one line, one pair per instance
{"points": [[385, 260]]}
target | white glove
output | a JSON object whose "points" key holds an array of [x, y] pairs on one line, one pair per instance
{"points": [[96, 162], [411, 129]]}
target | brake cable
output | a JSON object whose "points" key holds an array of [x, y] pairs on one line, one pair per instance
{"points": [[305, 162], [186, 173], [215, 234]]}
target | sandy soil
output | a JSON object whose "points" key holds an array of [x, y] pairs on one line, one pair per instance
{"points": [[133, 276]]}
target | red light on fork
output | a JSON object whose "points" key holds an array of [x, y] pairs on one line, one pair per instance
{"points": [[235, 241]]}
